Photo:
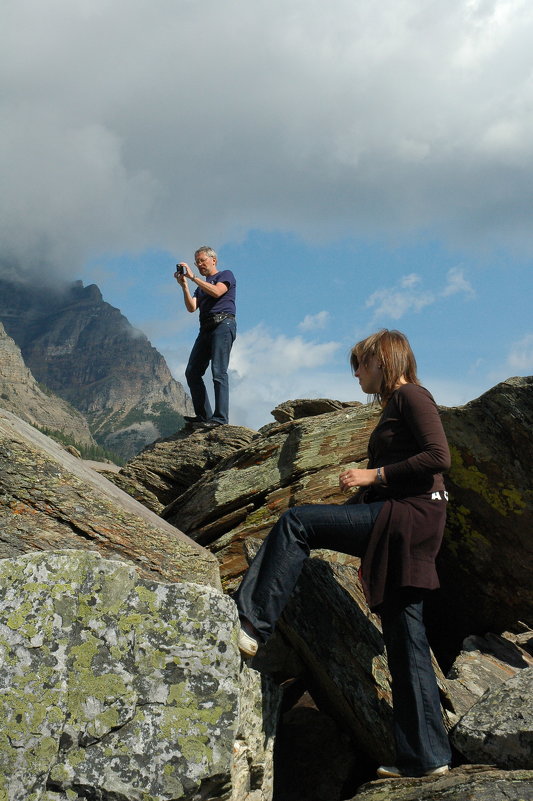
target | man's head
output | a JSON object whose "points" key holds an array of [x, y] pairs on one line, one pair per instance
{"points": [[206, 260]]}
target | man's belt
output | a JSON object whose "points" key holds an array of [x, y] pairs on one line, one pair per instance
{"points": [[214, 319]]}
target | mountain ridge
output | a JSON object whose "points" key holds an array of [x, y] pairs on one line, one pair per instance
{"points": [[88, 353]]}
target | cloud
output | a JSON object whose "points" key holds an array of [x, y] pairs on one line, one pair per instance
{"points": [[124, 129], [457, 283], [396, 302], [267, 369], [312, 322], [259, 355], [520, 357], [408, 296]]}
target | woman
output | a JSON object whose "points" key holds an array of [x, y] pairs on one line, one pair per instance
{"points": [[395, 523]]}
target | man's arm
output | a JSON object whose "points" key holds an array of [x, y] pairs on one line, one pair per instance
{"points": [[191, 303], [214, 290]]}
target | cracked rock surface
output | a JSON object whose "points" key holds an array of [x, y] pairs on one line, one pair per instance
{"points": [[113, 686]]}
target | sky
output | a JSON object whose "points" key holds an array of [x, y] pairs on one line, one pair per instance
{"points": [[357, 165]]}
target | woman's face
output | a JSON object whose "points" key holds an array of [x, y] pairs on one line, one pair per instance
{"points": [[370, 376]]}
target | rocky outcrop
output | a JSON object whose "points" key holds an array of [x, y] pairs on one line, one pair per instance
{"points": [[327, 639], [20, 394], [484, 663], [87, 352], [50, 500], [294, 462], [479, 782], [486, 561], [170, 466], [498, 729], [118, 687]]}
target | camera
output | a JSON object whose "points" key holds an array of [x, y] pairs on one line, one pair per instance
{"points": [[180, 269]]}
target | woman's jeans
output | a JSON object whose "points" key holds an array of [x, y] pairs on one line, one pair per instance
{"points": [[421, 740], [211, 345]]}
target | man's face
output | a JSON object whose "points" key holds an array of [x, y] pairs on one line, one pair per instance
{"points": [[207, 265]]}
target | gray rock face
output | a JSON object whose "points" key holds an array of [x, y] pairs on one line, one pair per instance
{"points": [[116, 687], [50, 500], [112, 684], [486, 561], [498, 729], [166, 469], [484, 663], [20, 394]]}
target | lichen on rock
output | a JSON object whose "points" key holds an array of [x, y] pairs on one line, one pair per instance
{"points": [[113, 682]]}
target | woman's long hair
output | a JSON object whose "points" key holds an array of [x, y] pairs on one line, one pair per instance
{"points": [[394, 355]]}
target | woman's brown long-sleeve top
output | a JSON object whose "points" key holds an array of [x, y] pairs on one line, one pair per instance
{"points": [[409, 442]]}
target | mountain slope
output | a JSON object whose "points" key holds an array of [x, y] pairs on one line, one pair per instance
{"points": [[20, 394], [87, 352]]}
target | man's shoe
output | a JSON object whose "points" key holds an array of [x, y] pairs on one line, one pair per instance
{"points": [[247, 645], [192, 419], [212, 424], [391, 772]]}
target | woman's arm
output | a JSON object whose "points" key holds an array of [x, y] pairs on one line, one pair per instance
{"points": [[419, 412]]}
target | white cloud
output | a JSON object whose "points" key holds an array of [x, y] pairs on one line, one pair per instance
{"points": [[266, 370], [258, 354], [520, 357], [456, 282], [408, 295], [122, 128], [396, 302], [312, 322]]}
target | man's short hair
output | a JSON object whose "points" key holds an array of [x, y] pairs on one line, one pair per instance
{"points": [[207, 250]]}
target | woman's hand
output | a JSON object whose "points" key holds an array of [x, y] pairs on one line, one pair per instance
{"points": [[354, 477]]}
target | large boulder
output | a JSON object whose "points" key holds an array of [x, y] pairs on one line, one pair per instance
{"points": [[119, 687], [484, 663], [164, 470], [498, 729], [486, 561], [50, 500], [294, 462]]}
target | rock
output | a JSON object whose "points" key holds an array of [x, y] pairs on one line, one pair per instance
{"points": [[296, 462], [486, 562], [20, 394], [50, 500], [479, 782], [498, 729], [305, 730], [483, 663], [308, 407], [164, 470], [118, 687]]}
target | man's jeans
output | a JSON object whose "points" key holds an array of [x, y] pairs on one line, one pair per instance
{"points": [[213, 346], [421, 740]]}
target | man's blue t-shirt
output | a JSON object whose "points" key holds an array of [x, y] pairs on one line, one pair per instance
{"points": [[226, 303]]}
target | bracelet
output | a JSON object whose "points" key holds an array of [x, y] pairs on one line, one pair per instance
{"points": [[381, 477]]}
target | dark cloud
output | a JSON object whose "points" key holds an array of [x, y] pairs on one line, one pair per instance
{"points": [[126, 125]]}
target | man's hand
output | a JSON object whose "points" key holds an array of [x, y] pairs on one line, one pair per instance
{"points": [[181, 278], [357, 478]]}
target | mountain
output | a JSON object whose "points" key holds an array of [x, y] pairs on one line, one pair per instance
{"points": [[20, 394], [84, 350]]}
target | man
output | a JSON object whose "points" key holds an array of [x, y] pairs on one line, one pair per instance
{"points": [[214, 297]]}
